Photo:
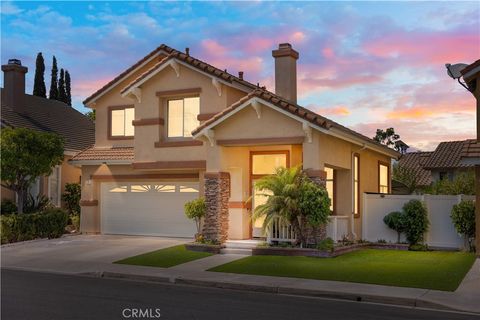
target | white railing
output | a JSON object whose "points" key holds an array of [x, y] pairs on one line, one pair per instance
{"points": [[337, 229], [282, 232]]}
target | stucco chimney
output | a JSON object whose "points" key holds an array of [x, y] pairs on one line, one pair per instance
{"points": [[286, 71], [13, 83]]}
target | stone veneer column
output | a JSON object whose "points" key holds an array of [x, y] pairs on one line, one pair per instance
{"points": [[217, 194], [320, 233]]}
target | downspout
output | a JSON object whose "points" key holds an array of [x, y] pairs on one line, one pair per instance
{"points": [[352, 165]]}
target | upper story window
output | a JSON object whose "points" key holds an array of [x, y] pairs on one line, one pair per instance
{"points": [[182, 116], [121, 122], [383, 178]]}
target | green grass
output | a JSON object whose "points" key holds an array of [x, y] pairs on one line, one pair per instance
{"points": [[165, 258], [430, 270]]}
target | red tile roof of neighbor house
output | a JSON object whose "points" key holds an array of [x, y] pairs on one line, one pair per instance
{"points": [[415, 162], [447, 155], [51, 116], [471, 149], [104, 154]]}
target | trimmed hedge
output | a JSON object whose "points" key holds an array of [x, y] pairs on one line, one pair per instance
{"points": [[50, 223]]}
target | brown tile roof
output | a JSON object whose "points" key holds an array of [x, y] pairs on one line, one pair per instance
{"points": [[51, 116], [415, 162], [447, 155], [194, 62], [292, 108], [470, 67], [104, 154], [470, 149]]}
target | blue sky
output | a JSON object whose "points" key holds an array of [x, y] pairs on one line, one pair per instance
{"points": [[367, 65]]}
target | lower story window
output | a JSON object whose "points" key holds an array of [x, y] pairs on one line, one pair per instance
{"points": [[330, 185], [54, 186]]}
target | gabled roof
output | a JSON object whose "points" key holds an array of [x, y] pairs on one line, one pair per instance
{"points": [[168, 53], [193, 62], [93, 154], [51, 116], [415, 161], [447, 155], [297, 111]]}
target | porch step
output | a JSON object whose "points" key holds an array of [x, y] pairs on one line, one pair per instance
{"points": [[236, 251], [242, 244]]}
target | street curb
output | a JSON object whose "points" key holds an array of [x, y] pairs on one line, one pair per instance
{"points": [[136, 277], [398, 301]]}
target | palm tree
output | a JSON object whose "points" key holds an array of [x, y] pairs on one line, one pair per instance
{"points": [[283, 200]]}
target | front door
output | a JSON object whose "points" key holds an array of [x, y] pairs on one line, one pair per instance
{"points": [[263, 163]]}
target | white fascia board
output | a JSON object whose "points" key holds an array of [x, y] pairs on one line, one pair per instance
{"points": [[125, 76], [99, 162], [163, 66]]}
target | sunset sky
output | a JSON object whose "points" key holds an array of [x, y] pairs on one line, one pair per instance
{"points": [[366, 65]]}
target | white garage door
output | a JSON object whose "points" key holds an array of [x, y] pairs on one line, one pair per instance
{"points": [[147, 208]]}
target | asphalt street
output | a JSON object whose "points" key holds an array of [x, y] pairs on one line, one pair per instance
{"points": [[34, 295]]}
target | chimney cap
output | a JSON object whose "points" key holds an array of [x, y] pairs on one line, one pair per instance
{"points": [[187, 51], [240, 74], [17, 62], [285, 50]]}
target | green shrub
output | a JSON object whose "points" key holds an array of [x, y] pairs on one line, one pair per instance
{"points": [[8, 207], [37, 204], [415, 221], [75, 221], [196, 210], [71, 197], [50, 223], [418, 247], [395, 221], [463, 218], [326, 245], [314, 203]]}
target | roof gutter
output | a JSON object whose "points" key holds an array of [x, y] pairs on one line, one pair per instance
{"points": [[100, 162]]}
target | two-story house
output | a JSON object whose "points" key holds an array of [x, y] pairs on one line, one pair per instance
{"points": [[172, 128]]}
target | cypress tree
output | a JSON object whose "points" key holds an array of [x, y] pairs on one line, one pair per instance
{"points": [[61, 87], [39, 88], [68, 88], [54, 81]]}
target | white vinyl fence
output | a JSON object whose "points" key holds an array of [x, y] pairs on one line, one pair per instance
{"points": [[441, 231], [337, 229]]}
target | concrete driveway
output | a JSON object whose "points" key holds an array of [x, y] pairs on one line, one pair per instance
{"points": [[80, 253]]}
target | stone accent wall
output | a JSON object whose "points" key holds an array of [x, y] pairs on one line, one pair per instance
{"points": [[217, 193], [315, 235]]}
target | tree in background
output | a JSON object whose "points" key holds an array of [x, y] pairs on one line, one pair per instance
{"points": [[39, 88], [407, 176], [26, 155], [463, 183], [62, 95], [68, 91], [54, 81], [387, 137], [91, 115]]}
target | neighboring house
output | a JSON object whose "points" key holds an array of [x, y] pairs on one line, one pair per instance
{"points": [[20, 110], [448, 160], [172, 128]]}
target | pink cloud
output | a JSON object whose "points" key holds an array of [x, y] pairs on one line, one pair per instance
{"points": [[331, 111]]}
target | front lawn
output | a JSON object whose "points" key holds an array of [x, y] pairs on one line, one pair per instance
{"points": [[165, 258], [430, 270]]}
